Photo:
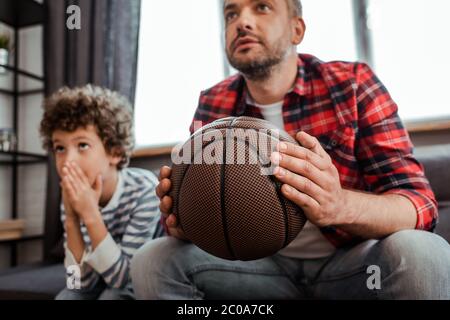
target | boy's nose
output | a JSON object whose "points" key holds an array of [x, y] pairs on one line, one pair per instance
{"points": [[71, 157]]}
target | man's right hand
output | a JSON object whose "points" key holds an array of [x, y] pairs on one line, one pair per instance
{"points": [[165, 205]]}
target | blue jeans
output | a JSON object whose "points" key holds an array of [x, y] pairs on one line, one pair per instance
{"points": [[411, 265], [98, 291]]}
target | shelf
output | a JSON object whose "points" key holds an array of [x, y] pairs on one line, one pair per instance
{"points": [[9, 158], [22, 239], [21, 13], [23, 73], [22, 93]]}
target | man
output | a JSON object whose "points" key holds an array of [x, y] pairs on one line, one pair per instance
{"points": [[368, 203]]}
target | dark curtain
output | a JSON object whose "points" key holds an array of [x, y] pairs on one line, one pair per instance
{"points": [[104, 52]]}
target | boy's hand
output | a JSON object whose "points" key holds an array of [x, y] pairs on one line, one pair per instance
{"points": [[70, 213], [166, 204], [81, 196]]}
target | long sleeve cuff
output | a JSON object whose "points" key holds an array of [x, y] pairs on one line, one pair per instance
{"points": [[105, 255], [427, 212], [70, 260]]}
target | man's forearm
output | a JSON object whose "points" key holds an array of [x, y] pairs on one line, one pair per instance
{"points": [[376, 216]]}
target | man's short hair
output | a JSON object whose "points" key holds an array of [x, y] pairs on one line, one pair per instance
{"points": [[295, 8], [109, 112]]}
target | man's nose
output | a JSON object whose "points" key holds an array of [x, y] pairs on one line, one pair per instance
{"points": [[246, 21]]}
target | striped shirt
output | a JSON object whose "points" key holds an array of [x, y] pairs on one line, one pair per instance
{"points": [[131, 218]]}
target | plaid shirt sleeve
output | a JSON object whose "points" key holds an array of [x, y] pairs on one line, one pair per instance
{"points": [[384, 150]]}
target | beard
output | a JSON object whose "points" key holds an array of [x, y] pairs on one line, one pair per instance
{"points": [[261, 67]]}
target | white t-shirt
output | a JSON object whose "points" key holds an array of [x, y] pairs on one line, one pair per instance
{"points": [[310, 242]]}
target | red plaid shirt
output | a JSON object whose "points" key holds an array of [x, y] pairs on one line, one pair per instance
{"points": [[349, 110]]}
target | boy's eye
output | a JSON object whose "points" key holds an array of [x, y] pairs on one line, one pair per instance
{"points": [[58, 149], [83, 146]]}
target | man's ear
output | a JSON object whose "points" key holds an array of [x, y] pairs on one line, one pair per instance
{"points": [[298, 30]]}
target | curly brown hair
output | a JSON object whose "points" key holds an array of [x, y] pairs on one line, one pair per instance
{"points": [[109, 112]]}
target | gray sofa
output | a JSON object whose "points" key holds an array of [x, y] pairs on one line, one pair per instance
{"points": [[44, 280]]}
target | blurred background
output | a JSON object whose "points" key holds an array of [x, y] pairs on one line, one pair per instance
{"points": [[161, 54]]}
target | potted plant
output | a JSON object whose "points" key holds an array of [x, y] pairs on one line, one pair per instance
{"points": [[4, 50]]}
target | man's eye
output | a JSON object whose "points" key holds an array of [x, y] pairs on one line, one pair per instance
{"points": [[83, 146], [58, 149], [229, 16], [263, 7]]}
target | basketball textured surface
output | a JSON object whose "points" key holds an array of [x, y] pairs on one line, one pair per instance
{"points": [[228, 207]]}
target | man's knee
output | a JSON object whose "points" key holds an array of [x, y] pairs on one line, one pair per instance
{"points": [[151, 261], [416, 245], [417, 261]]}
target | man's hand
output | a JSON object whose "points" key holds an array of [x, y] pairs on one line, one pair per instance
{"points": [[79, 195], [311, 181], [166, 203]]}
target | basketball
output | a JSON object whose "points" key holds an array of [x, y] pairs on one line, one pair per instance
{"points": [[225, 196]]}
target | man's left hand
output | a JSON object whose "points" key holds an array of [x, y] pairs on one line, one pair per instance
{"points": [[311, 180]]}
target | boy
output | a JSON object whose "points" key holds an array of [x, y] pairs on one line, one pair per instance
{"points": [[108, 210]]}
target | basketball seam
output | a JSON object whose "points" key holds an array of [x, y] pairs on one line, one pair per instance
{"points": [[285, 214], [273, 180], [222, 194]]}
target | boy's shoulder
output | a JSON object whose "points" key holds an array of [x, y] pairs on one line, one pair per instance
{"points": [[141, 178]]}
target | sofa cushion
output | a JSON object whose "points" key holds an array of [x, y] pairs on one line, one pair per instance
{"points": [[443, 226], [436, 161], [34, 282]]}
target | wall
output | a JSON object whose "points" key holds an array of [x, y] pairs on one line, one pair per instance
{"points": [[429, 138]]}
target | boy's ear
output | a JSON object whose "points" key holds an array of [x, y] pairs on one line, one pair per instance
{"points": [[115, 157]]}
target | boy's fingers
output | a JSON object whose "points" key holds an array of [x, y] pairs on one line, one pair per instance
{"points": [[98, 185], [73, 181], [79, 173], [72, 174], [164, 173], [68, 187]]}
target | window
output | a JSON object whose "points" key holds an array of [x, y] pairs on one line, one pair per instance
{"points": [[330, 33], [411, 55], [180, 54]]}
